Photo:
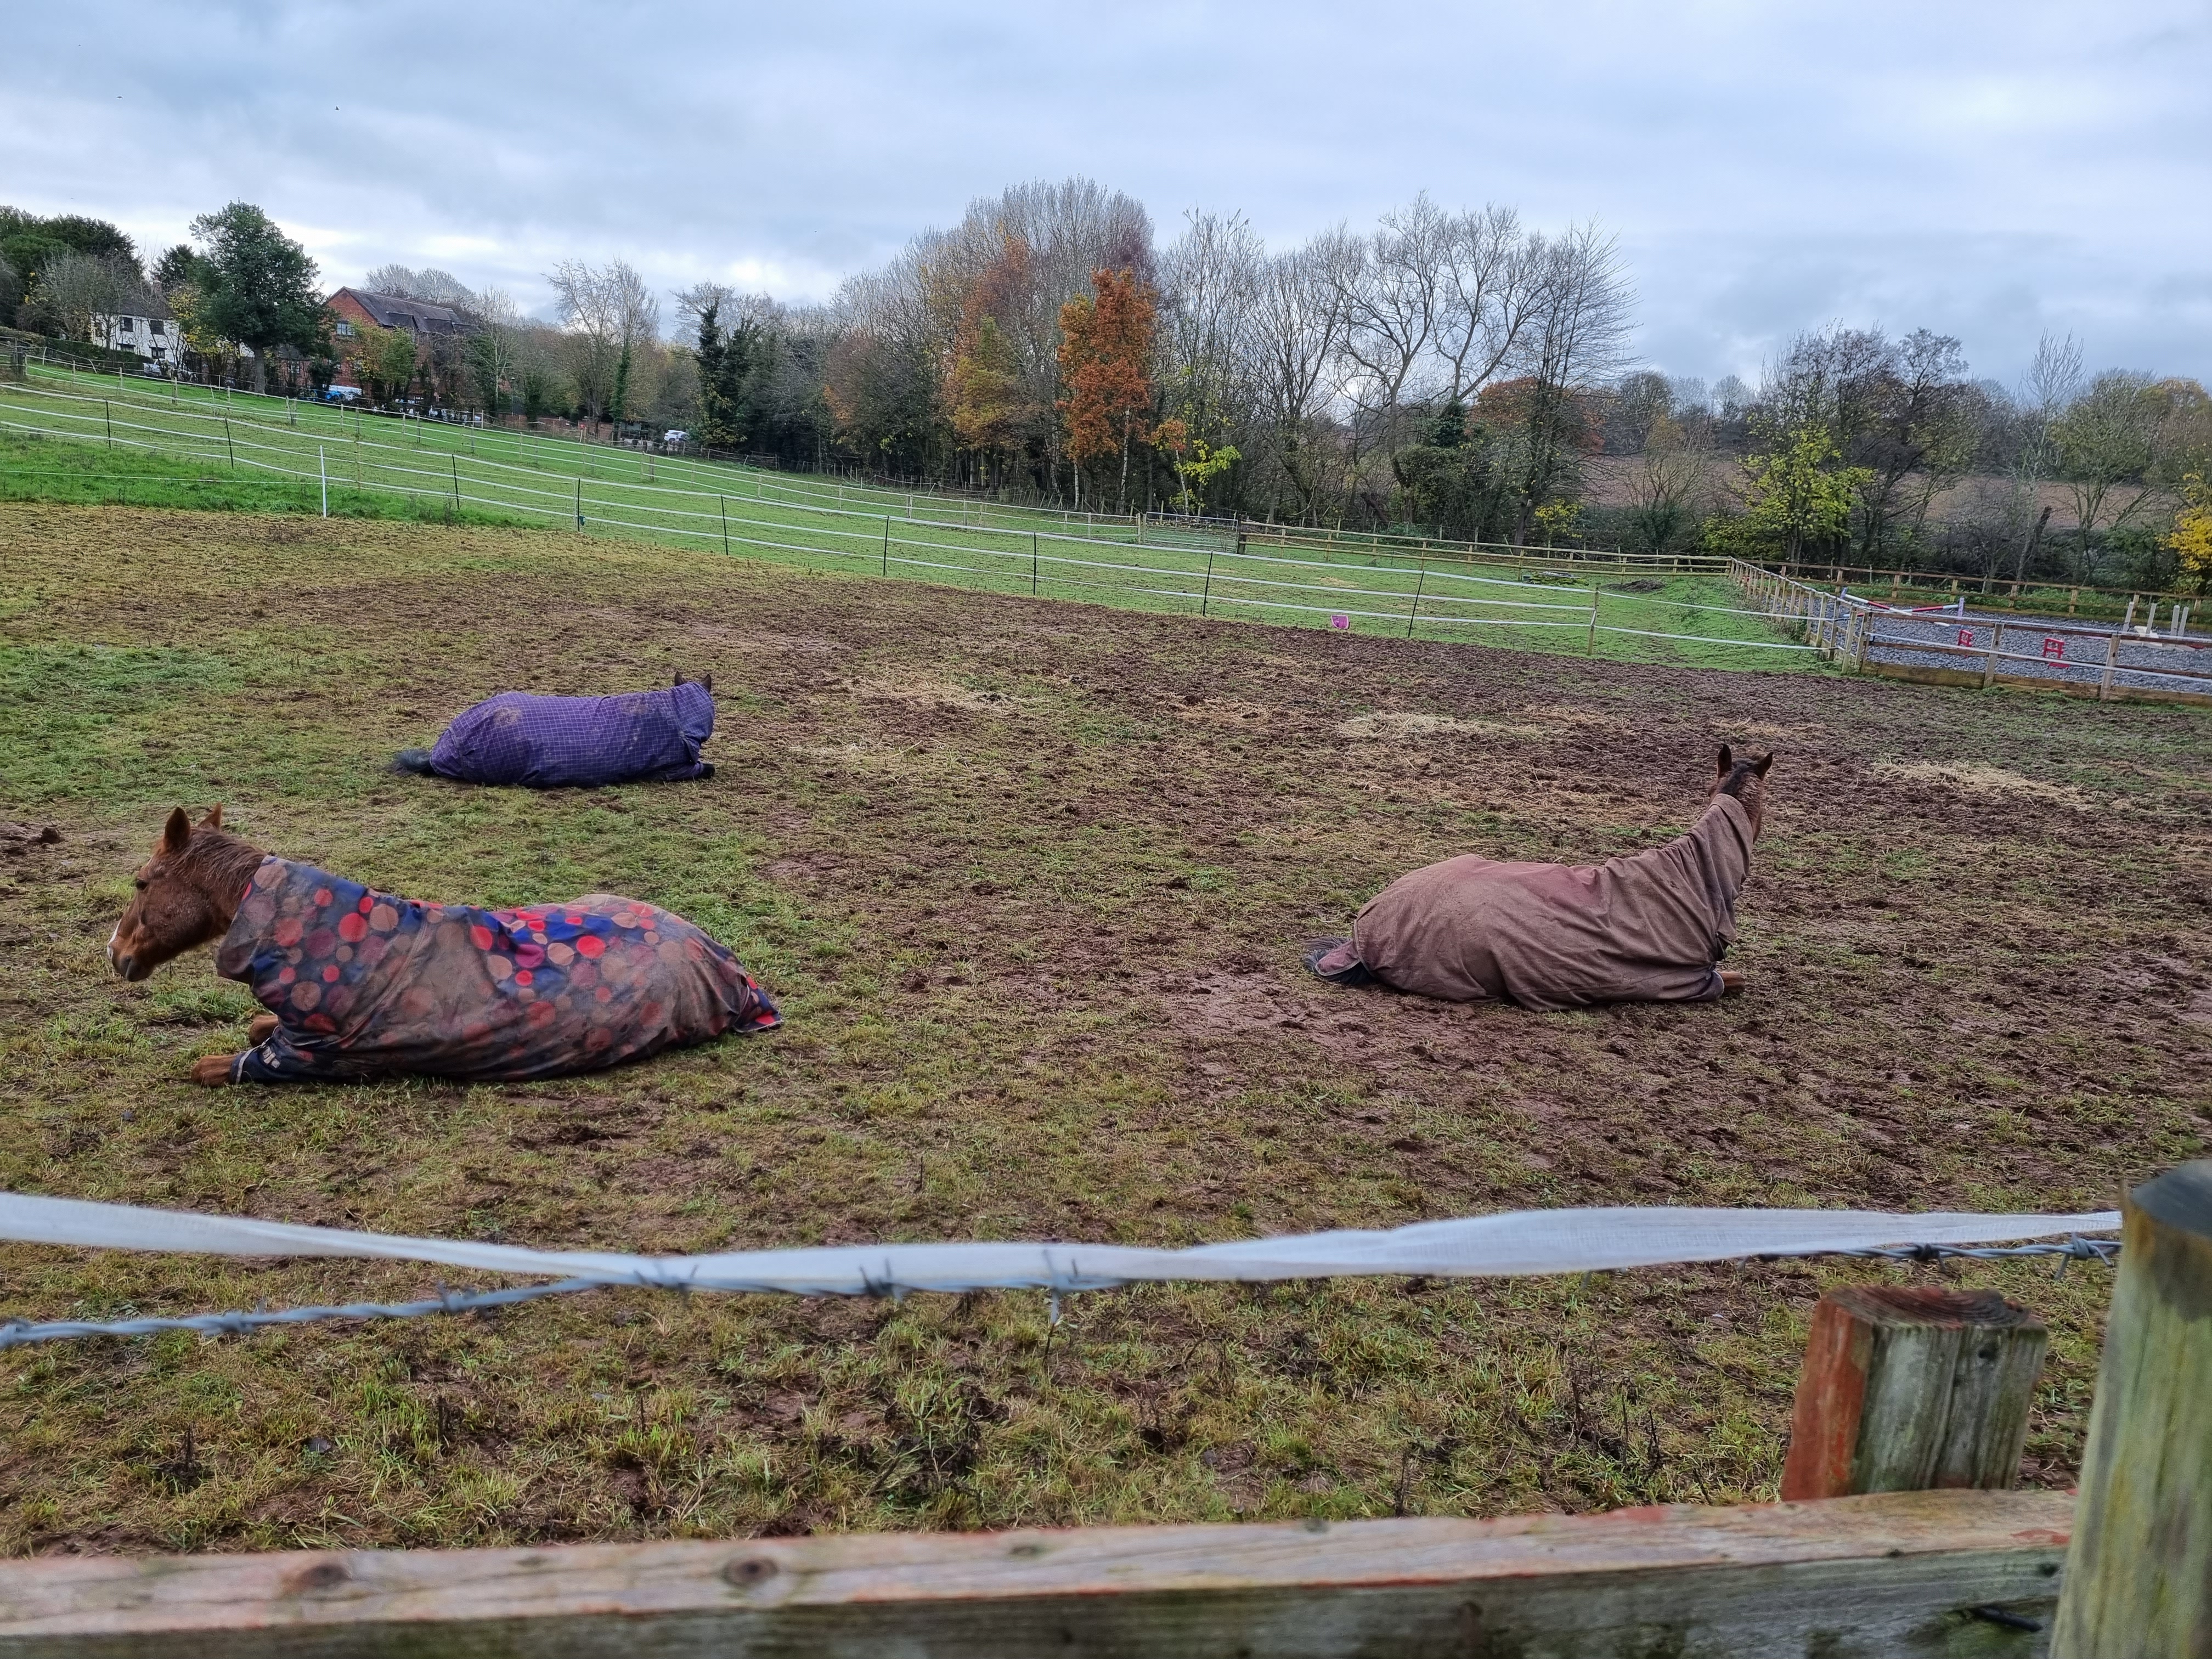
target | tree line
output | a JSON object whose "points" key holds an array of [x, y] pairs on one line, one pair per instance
{"points": [[1452, 374]]}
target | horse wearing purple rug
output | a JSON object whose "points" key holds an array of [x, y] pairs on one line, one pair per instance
{"points": [[553, 743]]}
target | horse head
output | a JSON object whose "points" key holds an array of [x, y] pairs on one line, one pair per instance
{"points": [[188, 893], [1747, 781]]}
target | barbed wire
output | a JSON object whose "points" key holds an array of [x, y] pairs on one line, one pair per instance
{"points": [[2075, 1248], [18, 1332]]}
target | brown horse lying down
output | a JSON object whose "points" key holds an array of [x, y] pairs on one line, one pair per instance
{"points": [[1651, 927], [360, 983]]}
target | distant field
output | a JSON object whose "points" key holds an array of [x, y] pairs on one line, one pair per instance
{"points": [[80, 437], [1030, 880]]}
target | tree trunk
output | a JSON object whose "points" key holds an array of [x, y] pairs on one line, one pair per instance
{"points": [[1124, 506], [2028, 547], [261, 368]]}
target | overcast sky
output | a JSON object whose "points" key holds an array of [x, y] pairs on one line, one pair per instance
{"points": [[1989, 170]]}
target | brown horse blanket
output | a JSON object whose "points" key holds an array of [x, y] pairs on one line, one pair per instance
{"points": [[365, 984], [1644, 928]]}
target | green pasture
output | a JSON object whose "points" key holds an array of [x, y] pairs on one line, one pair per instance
{"points": [[1030, 883], [74, 436]]}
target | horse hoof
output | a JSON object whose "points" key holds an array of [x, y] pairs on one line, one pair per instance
{"points": [[261, 1029], [1732, 982], [211, 1071]]}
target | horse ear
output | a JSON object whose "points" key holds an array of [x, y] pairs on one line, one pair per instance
{"points": [[1727, 759], [706, 683], [214, 818], [176, 832], [675, 680], [1764, 761]]}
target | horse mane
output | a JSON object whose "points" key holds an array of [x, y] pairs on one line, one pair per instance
{"points": [[218, 863]]}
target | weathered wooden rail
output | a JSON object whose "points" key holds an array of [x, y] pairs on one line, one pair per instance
{"points": [[1901, 1388], [1903, 1573]]}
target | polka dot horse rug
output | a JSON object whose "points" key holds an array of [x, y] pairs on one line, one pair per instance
{"points": [[365, 984], [553, 743]]}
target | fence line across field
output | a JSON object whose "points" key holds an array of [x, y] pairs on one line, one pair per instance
{"points": [[1431, 603], [1514, 1244], [1853, 631], [714, 475]]}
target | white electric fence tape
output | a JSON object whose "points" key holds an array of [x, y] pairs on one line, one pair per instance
{"points": [[1515, 1242]]}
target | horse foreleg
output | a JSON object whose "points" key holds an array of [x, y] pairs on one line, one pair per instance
{"points": [[213, 1071], [260, 1030], [1732, 982]]}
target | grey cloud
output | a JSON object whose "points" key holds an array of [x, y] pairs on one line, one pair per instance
{"points": [[1988, 169]]}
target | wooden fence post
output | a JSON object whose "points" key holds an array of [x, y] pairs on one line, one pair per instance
{"points": [[1907, 1390], [2135, 1579], [2112, 661]]}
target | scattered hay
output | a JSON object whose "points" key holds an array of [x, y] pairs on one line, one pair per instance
{"points": [[1388, 725], [942, 694], [1977, 779]]}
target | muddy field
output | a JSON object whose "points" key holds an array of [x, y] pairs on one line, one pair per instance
{"points": [[1030, 880]]}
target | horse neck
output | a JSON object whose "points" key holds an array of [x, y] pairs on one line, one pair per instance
{"points": [[1751, 814], [222, 868]]}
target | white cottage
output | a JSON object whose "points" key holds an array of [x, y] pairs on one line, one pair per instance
{"points": [[157, 339]]}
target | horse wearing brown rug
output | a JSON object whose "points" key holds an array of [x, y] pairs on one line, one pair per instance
{"points": [[360, 983], [1649, 928]]}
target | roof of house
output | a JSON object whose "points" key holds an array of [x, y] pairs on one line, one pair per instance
{"points": [[415, 316]]}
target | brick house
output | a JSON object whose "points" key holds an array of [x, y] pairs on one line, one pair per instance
{"points": [[437, 331]]}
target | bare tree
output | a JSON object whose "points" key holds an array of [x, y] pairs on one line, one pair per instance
{"points": [[1488, 290], [76, 291], [1296, 328], [2052, 382], [2106, 442], [607, 311], [429, 285], [494, 348], [1210, 279], [1391, 291], [1575, 340], [1670, 485]]}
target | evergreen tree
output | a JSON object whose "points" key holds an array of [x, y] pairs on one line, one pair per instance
{"points": [[259, 286], [619, 401], [727, 365]]}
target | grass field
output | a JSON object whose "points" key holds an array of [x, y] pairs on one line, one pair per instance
{"points": [[1029, 879], [82, 437]]}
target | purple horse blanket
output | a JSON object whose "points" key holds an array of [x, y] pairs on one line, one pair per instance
{"points": [[1645, 928], [552, 743], [364, 983]]}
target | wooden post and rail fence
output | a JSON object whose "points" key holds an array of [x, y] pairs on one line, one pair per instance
{"points": [[1845, 628], [1899, 1534]]}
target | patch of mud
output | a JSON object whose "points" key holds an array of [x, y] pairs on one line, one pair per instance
{"points": [[2199, 1011], [1221, 711], [1977, 779], [1227, 1003]]}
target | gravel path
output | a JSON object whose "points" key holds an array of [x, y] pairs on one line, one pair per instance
{"points": [[2082, 661]]}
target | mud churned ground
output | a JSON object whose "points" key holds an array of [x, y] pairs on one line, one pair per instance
{"points": [[1030, 880]]}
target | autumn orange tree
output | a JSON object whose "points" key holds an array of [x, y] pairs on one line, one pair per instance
{"points": [[1105, 361], [983, 381]]}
